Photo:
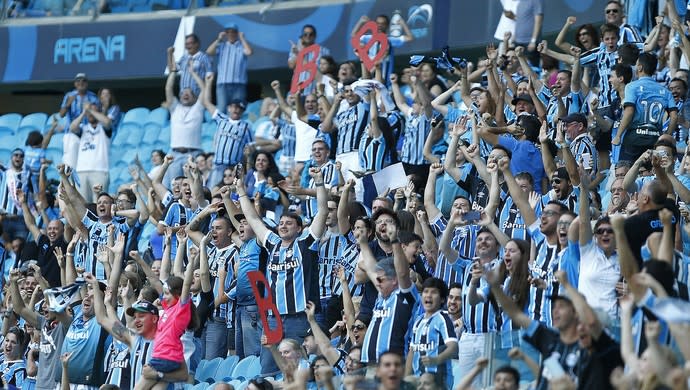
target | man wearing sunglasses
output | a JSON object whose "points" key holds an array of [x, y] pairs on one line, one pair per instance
{"points": [[613, 13], [307, 39]]}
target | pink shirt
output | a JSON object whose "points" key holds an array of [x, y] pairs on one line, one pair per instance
{"points": [[171, 326]]}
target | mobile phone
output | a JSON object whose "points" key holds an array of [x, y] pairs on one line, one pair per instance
{"points": [[435, 120], [238, 171], [472, 216], [586, 161]]}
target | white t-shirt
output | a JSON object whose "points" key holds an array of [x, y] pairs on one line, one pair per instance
{"points": [[185, 125], [70, 149], [598, 278], [94, 148]]}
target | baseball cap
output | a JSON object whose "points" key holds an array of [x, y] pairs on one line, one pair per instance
{"points": [[561, 173], [142, 307], [81, 76], [576, 117], [524, 98], [231, 26]]}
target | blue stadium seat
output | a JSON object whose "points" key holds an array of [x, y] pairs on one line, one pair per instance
{"points": [[134, 138], [54, 155], [126, 129], [159, 116], [137, 116], [200, 386], [165, 135], [151, 133], [5, 155], [245, 368], [209, 128], [253, 110], [121, 9], [208, 117], [207, 372], [224, 371], [8, 141], [56, 140], [35, 121], [9, 123], [21, 134], [160, 4]]}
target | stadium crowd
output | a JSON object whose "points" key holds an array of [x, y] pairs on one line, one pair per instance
{"points": [[540, 239]]}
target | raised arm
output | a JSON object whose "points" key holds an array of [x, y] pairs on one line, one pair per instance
{"points": [[585, 313], [169, 84], [188, 278], [318, 224], [343, 210], [402, 267], [111, 325], [398, 96], [585, 235], [29, 219], [324, 343], [560, 39], [204, 273], [327, 125], [519, 197], [28, 314], [249, 211], [432, 211], [206, 95], [284, 106], [439, 102], [666, 251]]}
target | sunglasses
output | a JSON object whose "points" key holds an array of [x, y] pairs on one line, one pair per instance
{"points": [[556, 180], [611, 11], [358, 327], [18, 155], [308, 34], [604, 230]]}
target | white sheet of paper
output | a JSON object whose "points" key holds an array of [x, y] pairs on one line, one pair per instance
{"points": [[304, 136], [392, 176]]}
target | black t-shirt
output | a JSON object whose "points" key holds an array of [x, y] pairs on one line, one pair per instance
{"points": [[548, 342], [204, 306], [46, 259], [640, 226], [596, 366]]}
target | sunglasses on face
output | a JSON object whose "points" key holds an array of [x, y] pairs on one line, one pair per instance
{"points": [[556, 180], [604, 230], [357, 327], [612, 11]]}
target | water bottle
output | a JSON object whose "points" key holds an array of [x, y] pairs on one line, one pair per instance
{"points": [[396, 29]]}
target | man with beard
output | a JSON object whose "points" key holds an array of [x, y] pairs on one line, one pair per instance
{"points": [[219, 251], [96, 225], [46, 243], [139, 340], [292, 266], [53, 326], [94, 149], [454, 307], [396, 297], [380, 248]]}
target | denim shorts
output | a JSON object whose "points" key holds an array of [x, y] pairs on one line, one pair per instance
{"points": [[164, 366]]}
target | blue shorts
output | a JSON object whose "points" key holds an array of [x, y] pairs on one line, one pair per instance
{"points": [[164, 366]]}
